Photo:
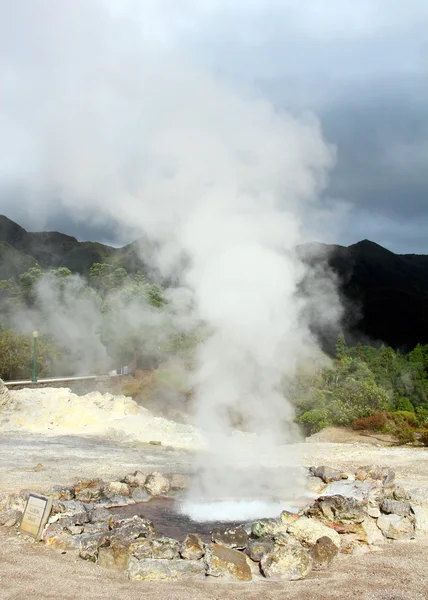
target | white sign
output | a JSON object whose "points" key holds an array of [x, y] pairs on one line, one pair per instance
{"points": [[36, 514]]}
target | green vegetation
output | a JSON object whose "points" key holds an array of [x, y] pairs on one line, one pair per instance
{"points": [[130, 318], [368, 388]]}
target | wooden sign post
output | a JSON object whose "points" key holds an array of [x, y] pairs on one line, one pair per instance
{"points": [[36, 514]]}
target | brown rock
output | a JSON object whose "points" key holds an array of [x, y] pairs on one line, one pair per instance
{"points": [[89, 545], [225, 562], [192, 548], [232, 537], [323, 552], [161, 548], [256, 549], [336, 509]]}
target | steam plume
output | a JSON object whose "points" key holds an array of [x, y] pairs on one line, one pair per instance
{"points": [[121, 125]]}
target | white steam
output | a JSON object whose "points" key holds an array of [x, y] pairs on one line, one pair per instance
{"points": [[122, 126]]}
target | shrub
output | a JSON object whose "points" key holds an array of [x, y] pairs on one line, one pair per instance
{"points": [[404, 404], [424, 437], [408, 417], [405, 434], [376, 422], [314, 420]]}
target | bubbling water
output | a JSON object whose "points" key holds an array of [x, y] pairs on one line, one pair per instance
{"points": [[234, 510]]}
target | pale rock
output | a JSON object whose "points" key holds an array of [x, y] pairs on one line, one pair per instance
{"points": [[420, 512], [373, 511], [157, 484], [396, 527], [308, 531], [158, 570], [116, 488], [290, 562], [10, 518], [373, 533], [327, 474], [136, 479]]}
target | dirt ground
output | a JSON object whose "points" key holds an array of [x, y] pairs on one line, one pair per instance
{"points": [[399, 572], [28, 569]]}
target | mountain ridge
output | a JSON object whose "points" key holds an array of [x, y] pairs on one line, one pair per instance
{"points": [[385, 294]]}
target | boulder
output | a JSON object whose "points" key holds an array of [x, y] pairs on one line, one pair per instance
{"points": [[373, 511], [178, 482], [161, 569], [315, 485], [116, 554], [162, 548], [116, 488], [308, 531], [232, 537], [382, 474], [10, 518], [337, 509], [88, 490], [268, 527], [132, 527], [256, 549], [136, 479], [224, 562], [100, 514], [359, 490], [400, 493], [372, 532], [396, 527], [290, 562], [322, 553], [420, 512], [55, 536], [157, 484], [68, 507], [327, 474], [396, 507], [5, 396], [139, 494], [89, 545], [59, 492], [192, 548]]}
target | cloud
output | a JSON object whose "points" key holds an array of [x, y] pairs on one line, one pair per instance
{"points": [[359, 66]]}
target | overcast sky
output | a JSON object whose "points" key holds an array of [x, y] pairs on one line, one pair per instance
{"points": [[360, 66]]}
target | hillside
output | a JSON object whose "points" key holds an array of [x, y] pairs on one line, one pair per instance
{"points": [[385, 294], [54, 249]]}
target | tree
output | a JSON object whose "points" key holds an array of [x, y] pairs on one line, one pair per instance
{"points": [[16, 356]]}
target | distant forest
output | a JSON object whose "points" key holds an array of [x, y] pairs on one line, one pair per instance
{"points": [[78, 292]]}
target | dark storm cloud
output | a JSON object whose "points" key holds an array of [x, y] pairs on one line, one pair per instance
{"points": [[362, 67]]}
